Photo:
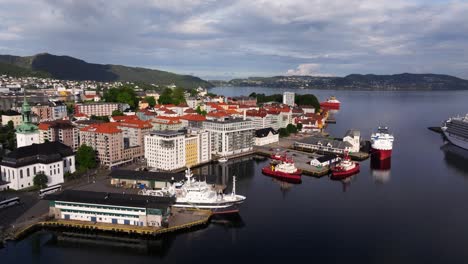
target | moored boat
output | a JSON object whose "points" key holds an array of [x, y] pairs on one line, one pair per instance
{"points": [[345, 168], [283, 170], [382, 144], [331, 103]]}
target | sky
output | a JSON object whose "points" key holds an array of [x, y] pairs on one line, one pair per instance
{"points": [[242, 38]]}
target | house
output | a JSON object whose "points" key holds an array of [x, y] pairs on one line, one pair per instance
{"points": [[266, 136], [325, 160]]}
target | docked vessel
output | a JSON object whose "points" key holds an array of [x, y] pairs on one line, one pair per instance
{"points": [[345, 168], [222, 160], [382, 144], [200, 195], [455, 130], [280, 157], [331, 103], [283, 170]]}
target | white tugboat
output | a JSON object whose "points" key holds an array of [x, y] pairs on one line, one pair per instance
{"points": [[200, 195]]}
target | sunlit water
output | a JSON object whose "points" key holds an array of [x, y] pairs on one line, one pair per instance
{"points": [[414, 212]]}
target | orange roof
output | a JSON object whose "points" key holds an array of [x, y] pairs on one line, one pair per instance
{"points": [[125, 118], [193, 117], [80, 115], [217, 114], [167, 120], [105, 128], [190, 111], [44, 126], [137, 123]]}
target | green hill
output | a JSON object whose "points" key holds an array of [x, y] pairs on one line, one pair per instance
{"points": [[69, 68], [15, 71]]}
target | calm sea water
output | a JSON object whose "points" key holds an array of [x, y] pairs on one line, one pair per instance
{"points": [[416, 211]]}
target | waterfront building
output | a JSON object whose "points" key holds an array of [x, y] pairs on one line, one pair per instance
{"points": [[288, 98], [349, 143], [97, 109], [231, 136], [13, 116], [110, 208], [242, 100], [266, 136], [325, 160], [165, 149], [353, 136], [26, 133], [144, 179], [54, 159], [59, 130]]}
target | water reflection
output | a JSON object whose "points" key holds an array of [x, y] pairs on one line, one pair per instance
{"points": [[346, 181], [380, 170], [456, 157]]}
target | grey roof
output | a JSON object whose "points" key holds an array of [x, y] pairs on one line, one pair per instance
{"points": [[11, 113], [324, 142], [117, 199], [46, 153], [168, 132], [326, 158], [353, 133], [264, 132], [146, 175]]}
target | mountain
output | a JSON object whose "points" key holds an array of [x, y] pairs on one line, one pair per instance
{"points": [[69, 68], [16, 71], [404, 81]]}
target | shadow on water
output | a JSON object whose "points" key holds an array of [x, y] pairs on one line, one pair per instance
{"points": [[380, 170]]}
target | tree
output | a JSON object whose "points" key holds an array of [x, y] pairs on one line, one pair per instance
{"points": [[70, 108], [178, 96], [307, 99], [85, 158], [40, 180], [292, 129], [11, 125], [124, 94], [102, 118], [299, 126], [166, 97], [117, 113], [283, 132], [201, 112], [193, 92], [151, 101]]}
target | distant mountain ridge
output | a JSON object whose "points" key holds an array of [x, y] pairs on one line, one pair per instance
{"points": [[69, 68], [404, 81]]}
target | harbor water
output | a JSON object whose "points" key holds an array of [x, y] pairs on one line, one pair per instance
{"points": [[410, 210]]}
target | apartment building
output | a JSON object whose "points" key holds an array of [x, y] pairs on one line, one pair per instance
{"points": [[231, 136], [97, 109], [59, 130], [165, 150]]}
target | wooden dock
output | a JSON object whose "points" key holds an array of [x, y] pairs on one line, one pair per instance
{"points": [[183, 220]]}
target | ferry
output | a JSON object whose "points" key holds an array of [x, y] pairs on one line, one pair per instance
{"points": [[382, 144], [283, 170], [455, 130], [331, 103], [345, 168], [200, 195]]}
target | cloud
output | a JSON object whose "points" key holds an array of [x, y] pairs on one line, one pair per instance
{"points": [[310, 69], [246, 37]]}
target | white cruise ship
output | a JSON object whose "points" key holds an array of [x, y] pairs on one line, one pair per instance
{"points": [[456, 131], [200, 195]]}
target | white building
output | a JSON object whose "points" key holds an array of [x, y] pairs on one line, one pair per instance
{"points": [[353, 137], [54, 159], [165, 150], [110, 208], [26, 133], [266, 136], [13, 116], [288, 98], [231, 136]]}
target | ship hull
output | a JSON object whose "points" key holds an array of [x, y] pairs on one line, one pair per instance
{"points": [[282, 175], [381, 154], [216, 208], [328, 105], [345, 173], [457, 142]]}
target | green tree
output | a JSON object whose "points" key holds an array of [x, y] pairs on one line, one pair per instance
{"points": [[124, 94], [85, 158], [299, 127], [10, 125], [201, 112], [117, 113], [40, 180], [193, 92], [151, 101], [307, 99], [166, 96], [70, 108], [102, 118], [283, 132], [292, 129], [178, 96]]}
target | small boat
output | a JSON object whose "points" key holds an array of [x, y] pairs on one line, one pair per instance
{"points": [[345, 168], [280, 157], [283, 170], [222, 160]]}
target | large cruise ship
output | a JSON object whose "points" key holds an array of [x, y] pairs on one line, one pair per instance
{"points": [[200, 195], [456, 131]]}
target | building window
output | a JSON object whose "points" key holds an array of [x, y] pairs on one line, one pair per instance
{"points": [[21, 174], [27, 172]]}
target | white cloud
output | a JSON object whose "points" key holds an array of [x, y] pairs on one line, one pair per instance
{"points": [[310, 69]]}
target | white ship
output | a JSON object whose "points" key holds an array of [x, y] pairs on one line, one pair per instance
{"points": [[456, 131], [200, 195], [382, 143]]}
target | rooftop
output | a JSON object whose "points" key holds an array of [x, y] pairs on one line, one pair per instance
{"points": [[116, 199], [146, 175], [46, 153]]}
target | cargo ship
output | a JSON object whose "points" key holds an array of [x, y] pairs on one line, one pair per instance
{"points": [[283, 170], [455, 130], [381, 144], [331, 103]]}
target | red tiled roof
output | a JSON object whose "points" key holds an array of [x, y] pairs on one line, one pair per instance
{"points": [[105, 128], [125, 118], [167, 120], [190, 111], [193, 117], [137, 123], [217, 114], [44, 126]]}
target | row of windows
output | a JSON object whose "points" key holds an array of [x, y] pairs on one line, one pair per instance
{"points": [[101, 207], [98, 213]]}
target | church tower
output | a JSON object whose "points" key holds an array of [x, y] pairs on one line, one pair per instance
{"points": [[26, 133]]}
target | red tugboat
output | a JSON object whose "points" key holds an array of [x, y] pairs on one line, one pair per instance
{"points": [[345, 168], [280, 157], [331, 103], [283, 170]]}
